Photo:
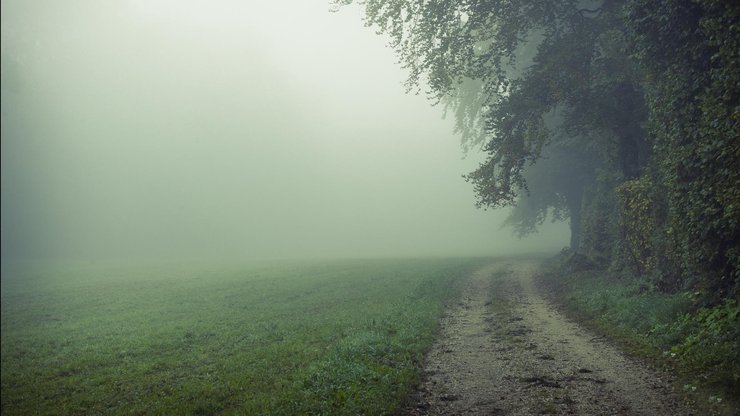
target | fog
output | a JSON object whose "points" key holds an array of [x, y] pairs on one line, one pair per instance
{"points": [[170, 129]]}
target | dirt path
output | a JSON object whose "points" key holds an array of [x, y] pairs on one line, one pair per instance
{"points": [[504, 350]]}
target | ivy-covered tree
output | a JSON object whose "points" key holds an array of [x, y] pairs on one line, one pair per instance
{"points": [[688, 52]]}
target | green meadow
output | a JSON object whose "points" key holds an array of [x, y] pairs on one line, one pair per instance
{"points": [[333, 337]]}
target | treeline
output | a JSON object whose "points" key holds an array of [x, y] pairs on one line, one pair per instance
{"points": [[622, 116]]}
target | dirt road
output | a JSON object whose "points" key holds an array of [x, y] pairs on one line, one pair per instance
{"points": [[504, 350]]}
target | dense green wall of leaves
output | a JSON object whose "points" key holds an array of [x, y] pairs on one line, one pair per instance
{"points": [[688, 54]]}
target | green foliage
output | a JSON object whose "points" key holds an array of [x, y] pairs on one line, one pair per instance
{"points": [[707, 340], [342, 337], [506, 68], [554, 187], [688, 53], [600, 233], [466, 53], [467, 103], [637, 225]]}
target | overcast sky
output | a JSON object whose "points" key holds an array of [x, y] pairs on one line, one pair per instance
{"points": [[235, 129]]}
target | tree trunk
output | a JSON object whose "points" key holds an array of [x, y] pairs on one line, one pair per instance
{"points": [[575, 227], [574, 202]]}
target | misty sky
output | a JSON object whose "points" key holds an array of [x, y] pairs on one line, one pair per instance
{"points": [[236, 129]]}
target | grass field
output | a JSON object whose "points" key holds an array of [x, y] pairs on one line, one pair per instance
{"points": [[339, 337]]}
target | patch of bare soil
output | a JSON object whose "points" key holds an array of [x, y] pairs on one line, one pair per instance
{"points": [[504, 350]]}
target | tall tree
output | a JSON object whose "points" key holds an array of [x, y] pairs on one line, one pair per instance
{"points": [[689, 53], [647, 92], [577, 69]]}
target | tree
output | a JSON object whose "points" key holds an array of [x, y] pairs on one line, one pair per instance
{"points": [[647, 100], [474, 57], [555, 188], [688, 54]]}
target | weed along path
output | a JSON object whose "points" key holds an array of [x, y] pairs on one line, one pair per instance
{"points": [[504, 350]]}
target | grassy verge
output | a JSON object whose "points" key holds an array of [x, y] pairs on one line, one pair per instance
{"points": [[700, 345], [303, 338]]}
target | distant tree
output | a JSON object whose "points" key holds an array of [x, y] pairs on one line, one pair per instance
{"points": [[555, 190]]}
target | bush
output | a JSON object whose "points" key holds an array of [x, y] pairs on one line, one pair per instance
{"points": [[708, 343]]}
